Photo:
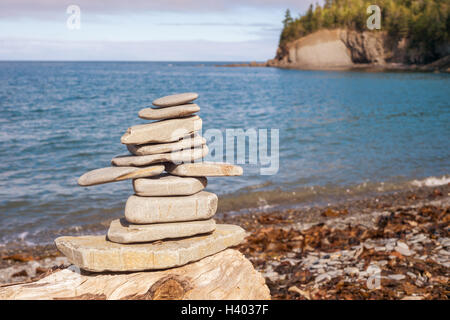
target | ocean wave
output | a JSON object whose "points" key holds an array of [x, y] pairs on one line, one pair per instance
{"points": [[432, 181], [249, 199]]}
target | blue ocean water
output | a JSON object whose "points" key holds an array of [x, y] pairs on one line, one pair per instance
{"points": [[340, 133]]}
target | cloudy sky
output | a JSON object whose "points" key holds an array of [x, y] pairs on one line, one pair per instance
{"points": [[158, 30]]}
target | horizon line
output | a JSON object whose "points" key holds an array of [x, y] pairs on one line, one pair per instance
{"points": [[30, 60]]}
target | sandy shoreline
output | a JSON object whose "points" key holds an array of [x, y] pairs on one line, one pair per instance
{"points": [[323, 252]]}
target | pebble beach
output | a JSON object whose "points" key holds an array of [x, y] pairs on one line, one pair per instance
{"points": [[324, 252]]}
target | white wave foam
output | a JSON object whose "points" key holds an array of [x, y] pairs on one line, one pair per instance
{"points": [[22, 236], [431, 181]]}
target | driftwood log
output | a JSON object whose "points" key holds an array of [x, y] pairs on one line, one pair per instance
{"points": [[225, 275]]}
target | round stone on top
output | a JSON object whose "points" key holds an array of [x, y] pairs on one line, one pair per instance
{"points": [[175, 99]]}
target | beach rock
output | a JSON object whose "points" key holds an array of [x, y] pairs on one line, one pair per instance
{"points": [[95, 253], [147, 149], [403, 249], [112, 174], [121, 231], [168, 185], [169, 112], [396, 277], [204, 169], [201, 280], [199, 206], [175, 99], [412, 298], [187, 155], [162, 131]]}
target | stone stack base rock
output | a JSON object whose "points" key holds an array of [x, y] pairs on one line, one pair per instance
{"points": [[226, 275], [168, 222]]}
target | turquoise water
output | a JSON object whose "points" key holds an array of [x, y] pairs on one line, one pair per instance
{"points": [[341, 133]]}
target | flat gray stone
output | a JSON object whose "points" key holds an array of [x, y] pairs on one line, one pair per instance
{"points": [[121, 231], [185, 143], [403, 249], [162, 131], [204, 169], [187, 155], [169, 112], [397, 277], [175, 99], [97, 254], [112, 174], [168, 185], [199, 206]]}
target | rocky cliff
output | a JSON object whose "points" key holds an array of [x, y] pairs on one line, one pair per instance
{"points": [[342, 48]]}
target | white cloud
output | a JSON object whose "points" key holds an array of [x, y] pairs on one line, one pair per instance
{"points": [[31, 49], [201, 30], [47, 8]]}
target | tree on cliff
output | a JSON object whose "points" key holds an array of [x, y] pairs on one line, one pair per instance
{"points": [[426, 24], [287, 18]]}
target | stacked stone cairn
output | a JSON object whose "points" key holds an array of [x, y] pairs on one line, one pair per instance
{"points": [[168, 221]]}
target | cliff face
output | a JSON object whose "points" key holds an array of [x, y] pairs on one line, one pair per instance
{"points": [[342, 48], [320, 49], [366, 47]]}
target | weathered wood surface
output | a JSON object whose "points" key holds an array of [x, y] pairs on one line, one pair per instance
{"points": [[225, 275]]}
